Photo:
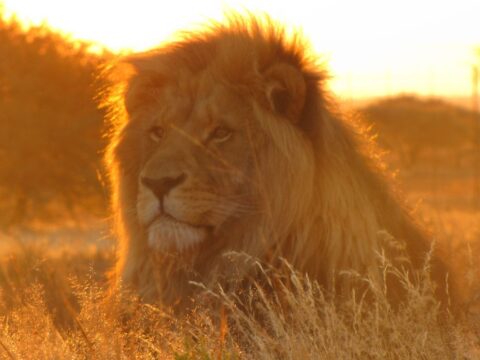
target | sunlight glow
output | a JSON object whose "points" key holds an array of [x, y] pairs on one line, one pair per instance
{"points": [[373, 47]]}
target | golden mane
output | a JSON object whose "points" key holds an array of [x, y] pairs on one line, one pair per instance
{"points": [[325, 204]]}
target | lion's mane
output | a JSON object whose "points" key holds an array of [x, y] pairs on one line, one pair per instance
{"points": [[327, 206]]}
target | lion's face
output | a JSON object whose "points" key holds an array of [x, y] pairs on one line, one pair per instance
{"points": [[197, 163], [200, 145]]}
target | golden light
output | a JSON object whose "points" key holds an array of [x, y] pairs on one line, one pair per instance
{"points": [[373, 47]]}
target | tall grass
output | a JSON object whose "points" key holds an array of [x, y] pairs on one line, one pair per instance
{"points": [[56, 308]]}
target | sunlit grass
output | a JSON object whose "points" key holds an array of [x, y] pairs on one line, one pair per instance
{"points": [[53, 305], [57, 308]]}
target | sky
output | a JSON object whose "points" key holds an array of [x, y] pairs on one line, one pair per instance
{"points": [[372, 47]]}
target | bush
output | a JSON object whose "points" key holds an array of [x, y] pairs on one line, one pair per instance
{"points": [[50, 127]]}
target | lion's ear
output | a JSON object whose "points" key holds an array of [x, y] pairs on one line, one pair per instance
{"points": [[286, 88], [145, 81]]}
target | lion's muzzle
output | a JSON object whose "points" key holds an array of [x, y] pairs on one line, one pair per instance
{"points": [[161, 187], [164, 231]]}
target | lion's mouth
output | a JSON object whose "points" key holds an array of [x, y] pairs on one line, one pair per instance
{"points": [[168, 233]]}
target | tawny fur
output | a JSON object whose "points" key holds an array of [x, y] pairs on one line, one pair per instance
{"points": [[322, 203]]}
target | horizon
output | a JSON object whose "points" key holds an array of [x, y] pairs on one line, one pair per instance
{"points": [[419, 51]]}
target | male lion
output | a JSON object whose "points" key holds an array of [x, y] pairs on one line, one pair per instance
{"points": [[225, 140]]}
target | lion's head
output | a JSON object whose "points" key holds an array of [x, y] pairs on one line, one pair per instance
{"points": [[226, 140]]}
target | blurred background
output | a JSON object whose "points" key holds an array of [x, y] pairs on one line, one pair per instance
{"points": [[411, 69]]}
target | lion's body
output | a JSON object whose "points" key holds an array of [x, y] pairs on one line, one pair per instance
{"points": [[286, 179]]}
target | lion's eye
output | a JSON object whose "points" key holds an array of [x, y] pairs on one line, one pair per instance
{"points": [[221, 133], [156, 133]]}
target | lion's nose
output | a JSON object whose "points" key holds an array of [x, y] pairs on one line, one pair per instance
{"points": [[161, 187]]}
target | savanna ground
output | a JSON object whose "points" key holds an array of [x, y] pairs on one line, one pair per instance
{"points": [[55, 246], [52, 300]]}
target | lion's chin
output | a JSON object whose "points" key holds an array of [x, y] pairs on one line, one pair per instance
{"points": [[167, 233]]}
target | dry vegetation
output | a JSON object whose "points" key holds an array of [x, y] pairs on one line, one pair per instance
{"points": [[55, 308], [52, 269]]}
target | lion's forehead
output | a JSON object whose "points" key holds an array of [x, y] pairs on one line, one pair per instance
{"points": [[202, 102]]}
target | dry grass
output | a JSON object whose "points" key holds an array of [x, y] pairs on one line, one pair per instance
{"points": [[53, 306]]}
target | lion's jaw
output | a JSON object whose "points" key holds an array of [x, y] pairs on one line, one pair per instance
{"points": [[163, 230], [180, 224]]}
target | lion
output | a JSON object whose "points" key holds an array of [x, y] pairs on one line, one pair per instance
{"points": [[227, 140]]}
